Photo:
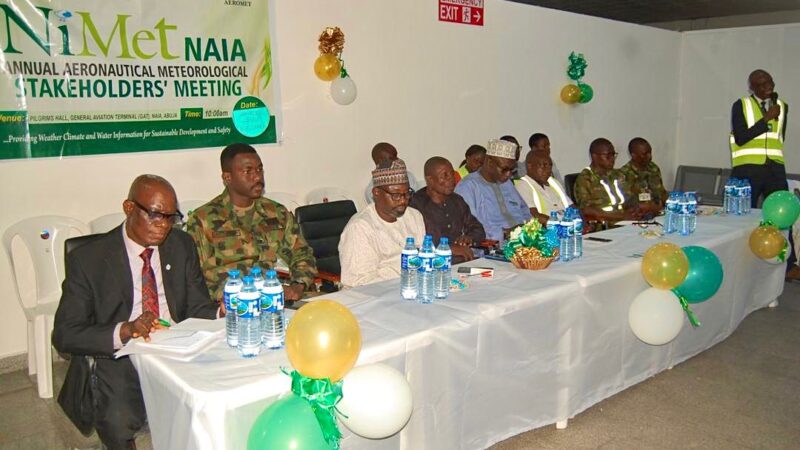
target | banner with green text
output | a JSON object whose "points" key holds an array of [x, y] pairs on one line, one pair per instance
{"points": [[85, 77]]}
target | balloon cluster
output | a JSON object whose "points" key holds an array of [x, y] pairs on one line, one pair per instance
{"points": [[779, 212], [329, 66], [579, 92], [678, 276], [323, 341]]}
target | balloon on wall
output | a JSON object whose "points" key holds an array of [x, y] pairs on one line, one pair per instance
{"points": [[287, 424], [665, 265], [704, 277], [781, 208], [656, 316], [766, 242], [323, 340], [587, 93], [327, 67], [343, 90], [376, 401], [570, 94]]}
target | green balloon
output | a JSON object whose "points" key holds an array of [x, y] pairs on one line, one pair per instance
{"points": [[704, 277], [781, 208], [287, 424], [587, 93]]}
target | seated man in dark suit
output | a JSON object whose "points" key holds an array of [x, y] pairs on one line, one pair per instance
{"points": [[116, 288]]}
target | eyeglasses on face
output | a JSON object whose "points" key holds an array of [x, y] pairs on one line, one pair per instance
{"points": [[398, 196], [157, 216]]}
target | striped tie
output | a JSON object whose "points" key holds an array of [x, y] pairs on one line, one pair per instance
{"points": [[149, 289]]}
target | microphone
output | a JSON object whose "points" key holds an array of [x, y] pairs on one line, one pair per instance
{"points": [[774, 98]]}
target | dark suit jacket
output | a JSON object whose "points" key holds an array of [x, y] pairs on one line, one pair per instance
{"points": [[97, 293]]}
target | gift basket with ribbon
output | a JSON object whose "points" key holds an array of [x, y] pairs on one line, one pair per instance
{"points": [[531, 246]]}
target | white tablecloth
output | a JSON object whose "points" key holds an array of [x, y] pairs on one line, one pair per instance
{"points": [[507, 355]]}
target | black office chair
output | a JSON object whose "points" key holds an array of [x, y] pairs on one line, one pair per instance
{"points": [[321, 224], [569, 184], [79, 241]]}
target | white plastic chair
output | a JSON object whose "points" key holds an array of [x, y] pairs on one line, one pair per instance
{"points": [[43, 238], [106, 223], [326, 194], [284, 198]]}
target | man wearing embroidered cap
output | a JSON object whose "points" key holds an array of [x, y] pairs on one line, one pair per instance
{"points": [[490, 194], [370, 246], [601, 192], [539, 188]]}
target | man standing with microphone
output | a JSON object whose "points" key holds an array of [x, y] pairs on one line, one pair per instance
{"points": [[758, 128]]}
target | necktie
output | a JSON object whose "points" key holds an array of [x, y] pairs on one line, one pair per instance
{"points": [[149, 289], [764, 106]]}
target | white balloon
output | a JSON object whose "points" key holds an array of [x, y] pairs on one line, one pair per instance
{"points": [[656, 316], [343, 90], [376, 400]]}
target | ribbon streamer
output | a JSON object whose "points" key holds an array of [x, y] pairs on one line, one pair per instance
{"points": [[685, 304], [323, 397], [577, 66], [782, 254], [331, 41], [531, 235]]}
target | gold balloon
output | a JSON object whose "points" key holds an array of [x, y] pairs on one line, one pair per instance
{"points": [[665, 266], [323, 340], [327, 67], [766, 242], [570, 94]]}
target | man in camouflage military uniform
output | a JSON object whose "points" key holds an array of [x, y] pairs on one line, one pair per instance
{"points": [[644, 177], [601, 192], [239, 228]]}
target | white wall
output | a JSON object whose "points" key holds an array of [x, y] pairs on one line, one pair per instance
{"points": [[426, 86], [715, 65]]}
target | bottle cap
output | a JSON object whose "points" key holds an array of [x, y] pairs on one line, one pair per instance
{"points": [[234, 273]]}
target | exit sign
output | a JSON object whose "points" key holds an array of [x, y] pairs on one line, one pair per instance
{"points": [[468, 12]]}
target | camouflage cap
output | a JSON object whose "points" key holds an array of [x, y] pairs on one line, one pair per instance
{"points": [[390, 172], [501, 149]]}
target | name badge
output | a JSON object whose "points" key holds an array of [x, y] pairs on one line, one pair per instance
{"points": [[644, 197]]}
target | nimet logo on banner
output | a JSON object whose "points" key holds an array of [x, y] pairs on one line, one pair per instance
{"points": [[119, 43]]}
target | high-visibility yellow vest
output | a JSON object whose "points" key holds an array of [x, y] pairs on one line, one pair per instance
{"points": [[538, 198], [463, 172], [765, 145]]}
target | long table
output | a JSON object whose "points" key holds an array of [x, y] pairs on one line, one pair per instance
{"points": [[510, 354]]}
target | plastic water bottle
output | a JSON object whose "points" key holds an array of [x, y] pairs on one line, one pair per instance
{"points": [[258, 277], [566, 233], [691, 200], [409, 267], [229, 293], [249, 311], [273, 329], [683, 216], [577, 239], [444, 258], [426, 278], [553, 226], [670, 214], [729, 194], [740, 197], [747, 196]]}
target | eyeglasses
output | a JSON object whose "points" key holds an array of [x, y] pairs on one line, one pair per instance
{"points": [[157, 216], [398, 196]]}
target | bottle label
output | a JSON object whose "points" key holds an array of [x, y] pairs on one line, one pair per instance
{"points": [[272, 302], [247, 308], [230, 301], [439, 263], [578, 226], [404, 259]]}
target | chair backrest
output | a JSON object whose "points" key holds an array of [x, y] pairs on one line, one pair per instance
{"points": [[321, 225], [43, 238], [703, 180], [79, 241], [325, 195], [569, 184], [284, 198], [107, 222]]}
